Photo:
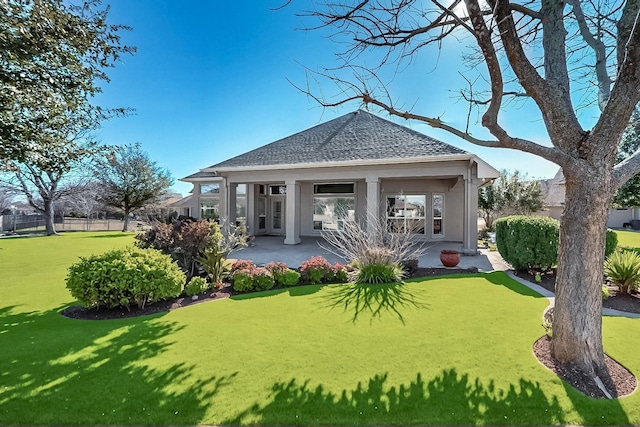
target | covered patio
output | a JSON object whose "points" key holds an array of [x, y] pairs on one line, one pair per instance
{"points": [[267, 249]]}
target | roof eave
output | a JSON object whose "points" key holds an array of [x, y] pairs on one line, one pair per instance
{"points": [[375, 162]]}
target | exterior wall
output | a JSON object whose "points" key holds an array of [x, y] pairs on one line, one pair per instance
{"points": [[617, 217], [449, 178]]}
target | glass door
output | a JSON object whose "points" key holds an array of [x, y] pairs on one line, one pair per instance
{"points": [[277, 216]]}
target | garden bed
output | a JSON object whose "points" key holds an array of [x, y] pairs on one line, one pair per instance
{"points": [[79, 312]]}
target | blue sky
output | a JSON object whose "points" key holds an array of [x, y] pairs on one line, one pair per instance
{"points": [[210, 81]]}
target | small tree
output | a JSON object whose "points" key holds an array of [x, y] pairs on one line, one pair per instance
{"points": [[510, 194], [130, 180]]}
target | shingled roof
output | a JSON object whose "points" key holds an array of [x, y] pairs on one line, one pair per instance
{"points": [[356, 136]]}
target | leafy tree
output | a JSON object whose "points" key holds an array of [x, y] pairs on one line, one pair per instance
{"points": [[510, 194], [545, 52], [54, 55], [629, 194], [130, 180]]}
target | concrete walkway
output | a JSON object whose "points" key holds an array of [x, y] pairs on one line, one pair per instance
{"points": [[266, 249]]}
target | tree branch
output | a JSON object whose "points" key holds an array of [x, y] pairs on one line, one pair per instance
{"points": [[626, 169]]}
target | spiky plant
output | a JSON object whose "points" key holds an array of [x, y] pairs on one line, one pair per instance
{"points": [[623, 269]]}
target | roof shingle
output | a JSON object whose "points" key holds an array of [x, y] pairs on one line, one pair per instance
{"points": [[356, 136]]}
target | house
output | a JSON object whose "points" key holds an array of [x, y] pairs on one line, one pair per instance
{"points": [[356, 167], [553, 194], [552, 191]]}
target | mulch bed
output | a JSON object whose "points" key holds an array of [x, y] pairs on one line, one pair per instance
{"points": [[622, 302], [78, 312], [624, 381]]}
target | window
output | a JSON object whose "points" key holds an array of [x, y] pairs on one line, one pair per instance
{"points": [[241, 203], [209, 208], [209, 189], [333, 188], [262, 213], [437, 207], [278, 190], [332, 205], [406, 213], [330, 213]]}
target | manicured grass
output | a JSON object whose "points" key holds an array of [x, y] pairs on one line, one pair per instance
{"points": [[450, 350], [628, 238]]}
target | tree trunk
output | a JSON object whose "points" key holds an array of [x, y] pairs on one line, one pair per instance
{"points": [[125, 226], [49, 223], [577, 319]]}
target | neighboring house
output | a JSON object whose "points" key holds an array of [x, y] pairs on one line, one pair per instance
{"points": [[553, 194], [355, 167]]}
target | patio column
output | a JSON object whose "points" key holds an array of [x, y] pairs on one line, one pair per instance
{"points": [[470, 216], [373, 204], [223, 201], [292, 213], [232, 189]]}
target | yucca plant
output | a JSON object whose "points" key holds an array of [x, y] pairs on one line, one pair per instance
{"points": [[623, 269]]}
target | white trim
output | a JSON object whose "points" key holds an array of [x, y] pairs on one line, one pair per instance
{"points": [[432, 218], [412, 160], [404, 218]]}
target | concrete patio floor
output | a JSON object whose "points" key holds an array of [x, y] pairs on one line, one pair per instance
{"points": [[266, 249]]}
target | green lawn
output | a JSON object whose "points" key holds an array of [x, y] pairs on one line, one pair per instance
{"points": [[451, 350], [628, 238]]}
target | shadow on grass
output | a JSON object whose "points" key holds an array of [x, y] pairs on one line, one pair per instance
{"points": [[114, 234], [447, 399], [294, 291], [373, 300], [501, 278], [60, 371]]}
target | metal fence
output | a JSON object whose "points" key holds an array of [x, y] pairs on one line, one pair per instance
{"points": [[35, 223]]}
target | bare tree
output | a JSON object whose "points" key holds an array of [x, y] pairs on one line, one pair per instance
{"points": [[6, 199], [130, 180], [49, 173], [547, 51]]}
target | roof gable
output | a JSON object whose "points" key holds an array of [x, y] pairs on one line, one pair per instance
{"points": [[356, 136]]}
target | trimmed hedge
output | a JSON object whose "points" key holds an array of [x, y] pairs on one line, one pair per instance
{"points": [[531, 242], [122, 277], [528, 242], [611, 243]]}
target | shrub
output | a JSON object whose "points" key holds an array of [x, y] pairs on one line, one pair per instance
{"points": [[528, 242], [213, 262], [340, 273], [283, 275], [277, 269], [196, 285], [262, 279], [289, 278], [123, 277], [623, 269], [605, 292], [611, 243], [184, 240], [242, 264], [379, 273], [316, 270], [242, 281]]}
